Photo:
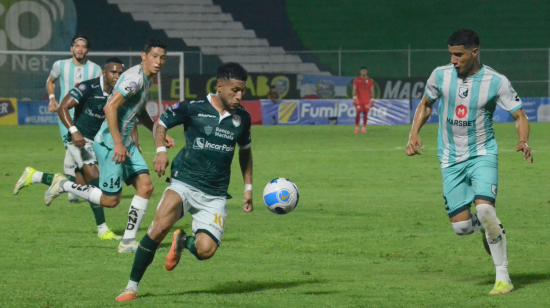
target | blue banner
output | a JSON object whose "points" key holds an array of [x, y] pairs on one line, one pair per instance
{"points": [[537, 109], [323, 112], [35, 113]]}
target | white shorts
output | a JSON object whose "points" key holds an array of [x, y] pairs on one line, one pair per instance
{"points": [[84, 155], [209, 212]]}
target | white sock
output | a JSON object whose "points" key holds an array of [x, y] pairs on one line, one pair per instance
{"points": [[467, 227], [132, 285], [86, 192], [101, 229], [496, 237], [37, 177], [135, 216], [69, 164]]}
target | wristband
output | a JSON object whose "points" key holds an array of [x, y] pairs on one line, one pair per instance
{"points": [[73, 129], [247, 187], [51, 96], [161, 149]]}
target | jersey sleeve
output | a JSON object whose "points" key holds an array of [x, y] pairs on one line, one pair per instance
{"points": [[355, 82], [80, 91], [507, 97], [56, 71], [432, 90], [175, 115], [245, 140], [129, 85], [97, 71]]}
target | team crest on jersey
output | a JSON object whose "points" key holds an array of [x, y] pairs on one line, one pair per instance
{"points": [[462, 92], [236, 120], [82, 87], [208, 130], [78, 73]]}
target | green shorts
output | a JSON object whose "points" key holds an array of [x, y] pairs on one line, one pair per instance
{"points": [[112, 174], [473, 179]]}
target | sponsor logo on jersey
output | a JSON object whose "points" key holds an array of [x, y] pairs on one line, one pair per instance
{"points": [[224, 133], [208, 130], [462, 92], [460, 123], [82, 87], [95, 86], [198, 144], [201, 143], [205, 115], [288, 112], [236, 120], [461, 111]]}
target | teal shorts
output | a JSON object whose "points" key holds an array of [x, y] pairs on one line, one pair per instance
{"points": [[111, 174], [473, 179]]}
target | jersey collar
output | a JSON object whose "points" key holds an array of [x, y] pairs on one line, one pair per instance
{"points": [[101, 84], [226, 115]]}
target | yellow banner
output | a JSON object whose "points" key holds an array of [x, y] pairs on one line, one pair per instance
{"points": [[8, 111]]}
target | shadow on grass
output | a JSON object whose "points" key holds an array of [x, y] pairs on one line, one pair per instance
{"points": [[520, 280], [239, 287]]}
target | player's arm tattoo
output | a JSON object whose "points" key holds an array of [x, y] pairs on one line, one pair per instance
{"points": [[159, 134]]}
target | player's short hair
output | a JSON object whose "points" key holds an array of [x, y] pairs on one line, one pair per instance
{"points": [[81, 37], [364, 68], [232, 70], [113, 60], [465, 37], [152, 43]]}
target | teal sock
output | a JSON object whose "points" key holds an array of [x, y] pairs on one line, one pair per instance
{"points": [[47, 178], [144, 256], [99, 212], [189, 243]]}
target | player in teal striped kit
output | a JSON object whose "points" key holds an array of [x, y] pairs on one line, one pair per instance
{"points": [[119, 159], [467, 150], [71, 72]]}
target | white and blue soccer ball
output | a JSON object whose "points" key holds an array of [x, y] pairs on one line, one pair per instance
{"points": [[281, 196]]}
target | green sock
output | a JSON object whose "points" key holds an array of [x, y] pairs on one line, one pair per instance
{"points": [[47, 178], [99, 212], [189, 243], [144, 256], [71, 178]]}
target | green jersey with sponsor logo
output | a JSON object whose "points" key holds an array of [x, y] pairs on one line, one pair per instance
{"points": [[89, 114], [210, 139]]}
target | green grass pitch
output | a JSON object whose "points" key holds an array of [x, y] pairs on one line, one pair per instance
{"points": [[370, 229]]}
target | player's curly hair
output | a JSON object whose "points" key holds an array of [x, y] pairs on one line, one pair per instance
{"points": [[152, 43], [81, 37], [465, 37], [232, 70]]}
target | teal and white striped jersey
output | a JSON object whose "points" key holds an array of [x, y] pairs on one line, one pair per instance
{"points": [[70, 75], [466, 110], [134, 86]]}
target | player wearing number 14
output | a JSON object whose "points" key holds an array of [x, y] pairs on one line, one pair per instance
{"points": [[469, 92], [117, 154]]}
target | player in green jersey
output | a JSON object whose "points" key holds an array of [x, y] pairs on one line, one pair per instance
{"points": [[468, 93], [88, 99], [200, 173]]}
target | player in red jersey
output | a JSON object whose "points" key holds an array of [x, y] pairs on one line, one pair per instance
{"points": [[363, 91]]}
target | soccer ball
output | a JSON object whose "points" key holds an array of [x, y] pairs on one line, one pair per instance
{"points": [[281, 196]]}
